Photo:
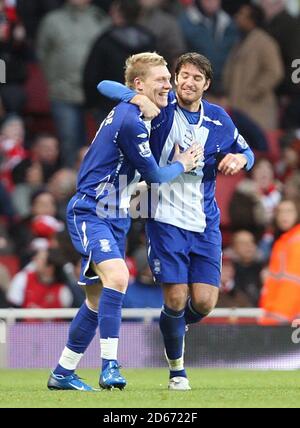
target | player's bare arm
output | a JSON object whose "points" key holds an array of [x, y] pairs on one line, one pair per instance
{"points": [[232, 164]]}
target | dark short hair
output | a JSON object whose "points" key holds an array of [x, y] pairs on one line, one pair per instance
{"points": [[200, 61], [257, 15], [130, 10]]}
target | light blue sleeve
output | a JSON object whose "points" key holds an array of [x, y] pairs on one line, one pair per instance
{"points": [[115, 91], [250, 158]]}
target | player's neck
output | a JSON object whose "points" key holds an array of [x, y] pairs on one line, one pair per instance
{"points": [[193, 108]]}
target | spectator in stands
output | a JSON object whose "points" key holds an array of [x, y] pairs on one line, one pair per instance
{"points": [[45, 150], [286, 31], [291, 188], [42, 285], [230, 296], [209, 31], [42, 204], [32, 12], [169, 37], [255, 199], [4, 284], [6, 206], [143, 293], [280, 297], [80, 155], [28, 177], [64, 41], [289, 161], [249, 129], [254, 69], [62, 186], [103, 4], [12, 151], [14, 52], [110, 51], [248, 264]]}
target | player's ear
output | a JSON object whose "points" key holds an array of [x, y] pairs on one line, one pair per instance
{"points": [[207, 85], [138, 84], [176, 79]]}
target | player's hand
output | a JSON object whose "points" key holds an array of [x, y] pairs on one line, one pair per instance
{"points": [[232, 164], [191, 158], [147, 107]]}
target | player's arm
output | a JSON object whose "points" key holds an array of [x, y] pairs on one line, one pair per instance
{"points": [[240, 155], [133, 140], [118, 92]]}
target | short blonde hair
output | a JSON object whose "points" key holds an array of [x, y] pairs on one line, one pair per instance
{"points": [[138, 66]]}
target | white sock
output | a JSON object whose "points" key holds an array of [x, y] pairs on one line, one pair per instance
{"points": [[69, 359], [109, 348], [176, 365]]}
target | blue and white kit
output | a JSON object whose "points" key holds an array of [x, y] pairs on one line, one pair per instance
{"points": [[183, 233], [97, 215]]}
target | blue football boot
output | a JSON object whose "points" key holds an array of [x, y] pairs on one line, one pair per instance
{"points": [[111, 377], [71, 382]]}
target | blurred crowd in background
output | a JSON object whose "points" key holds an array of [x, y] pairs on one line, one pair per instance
{"points": [[56, 52]]}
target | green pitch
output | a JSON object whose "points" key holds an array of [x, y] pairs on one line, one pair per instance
{"points": [[147, 388]]}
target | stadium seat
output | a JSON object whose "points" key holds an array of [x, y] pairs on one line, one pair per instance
{"points": [[224, 191], [273, 137], [36, 91]]}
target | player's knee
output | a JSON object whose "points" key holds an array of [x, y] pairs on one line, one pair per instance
{"points": [[117, 280], [176, 301], [115, 275], [206, 304]]}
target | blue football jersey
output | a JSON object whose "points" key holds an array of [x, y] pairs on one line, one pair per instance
{"points": [[119, 154], [189, 201]]}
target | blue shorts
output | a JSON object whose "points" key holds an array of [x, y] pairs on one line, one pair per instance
{"points": [[94, 238], [179, 256]]}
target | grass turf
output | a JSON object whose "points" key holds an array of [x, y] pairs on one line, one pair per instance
{"points": [[147, 388]]}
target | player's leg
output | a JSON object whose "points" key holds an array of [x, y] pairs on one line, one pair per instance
{"points": [[203, 299], [84, 325], [169, 265], [172, 325], [114, 276], [204, 279], [81, 332]]}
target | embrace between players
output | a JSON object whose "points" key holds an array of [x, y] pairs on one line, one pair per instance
{"points": [[184, 248]]}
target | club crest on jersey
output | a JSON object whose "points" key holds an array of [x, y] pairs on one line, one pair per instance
{"points": [[144, 149], [105, 245]]}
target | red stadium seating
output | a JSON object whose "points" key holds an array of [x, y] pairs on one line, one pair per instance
{"points": [[36, 90], [225, 188], [273, 137]]}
